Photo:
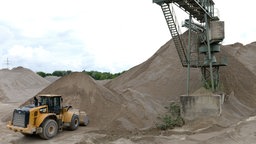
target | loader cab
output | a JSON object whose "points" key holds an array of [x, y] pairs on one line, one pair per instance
{"points": [[54, 103]]}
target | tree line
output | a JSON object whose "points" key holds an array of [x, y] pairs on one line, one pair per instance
{"points": [[94, 74]]}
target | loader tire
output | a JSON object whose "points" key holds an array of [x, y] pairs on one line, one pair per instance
{"points": [[74, 122], [50, 129]]}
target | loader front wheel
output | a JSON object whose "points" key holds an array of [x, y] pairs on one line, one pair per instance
{"points": [[50, 129], [74, 122]]}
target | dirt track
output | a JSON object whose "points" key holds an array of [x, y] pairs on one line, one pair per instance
{"points": [[243, 132]]}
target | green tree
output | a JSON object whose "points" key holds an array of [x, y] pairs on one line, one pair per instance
{"points": [[42, 74], [94, 74], [68, 72], [58, 73]]}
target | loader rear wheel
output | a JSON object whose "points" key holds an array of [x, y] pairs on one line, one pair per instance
{"points": [[74, 122], [50, 129]]}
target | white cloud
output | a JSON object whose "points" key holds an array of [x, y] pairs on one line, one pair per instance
{"points": [[5, 34], [40, 58], [28, 56], [102, 35], [239, 24]]}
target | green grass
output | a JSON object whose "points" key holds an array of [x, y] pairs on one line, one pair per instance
{"points": [[172, 118]]}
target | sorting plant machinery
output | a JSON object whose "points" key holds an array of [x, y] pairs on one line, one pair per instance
{"points": [[209, 32]]}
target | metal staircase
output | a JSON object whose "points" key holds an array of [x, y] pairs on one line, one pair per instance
{"points": [[172, 25]]}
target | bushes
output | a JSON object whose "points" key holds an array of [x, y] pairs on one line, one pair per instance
{"points": [[43, 74], [172, 118], [102, 75], [94, 74]]}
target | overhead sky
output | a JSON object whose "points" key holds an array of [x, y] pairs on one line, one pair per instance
{"points": [[103, 35]]}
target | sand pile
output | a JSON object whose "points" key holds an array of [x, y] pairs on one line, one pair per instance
{"points": [[106, 109], [20, 84], [81, 91], [160, 78], [51, 79], [238, 81], [244, 54]]}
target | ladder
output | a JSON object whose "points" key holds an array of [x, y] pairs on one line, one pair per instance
{"points": [[171, 22]]}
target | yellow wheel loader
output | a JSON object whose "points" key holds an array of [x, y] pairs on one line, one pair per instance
{"points": [[46, 117]]}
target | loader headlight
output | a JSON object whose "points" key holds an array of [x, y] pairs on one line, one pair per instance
{"points": [[43, 110]]}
